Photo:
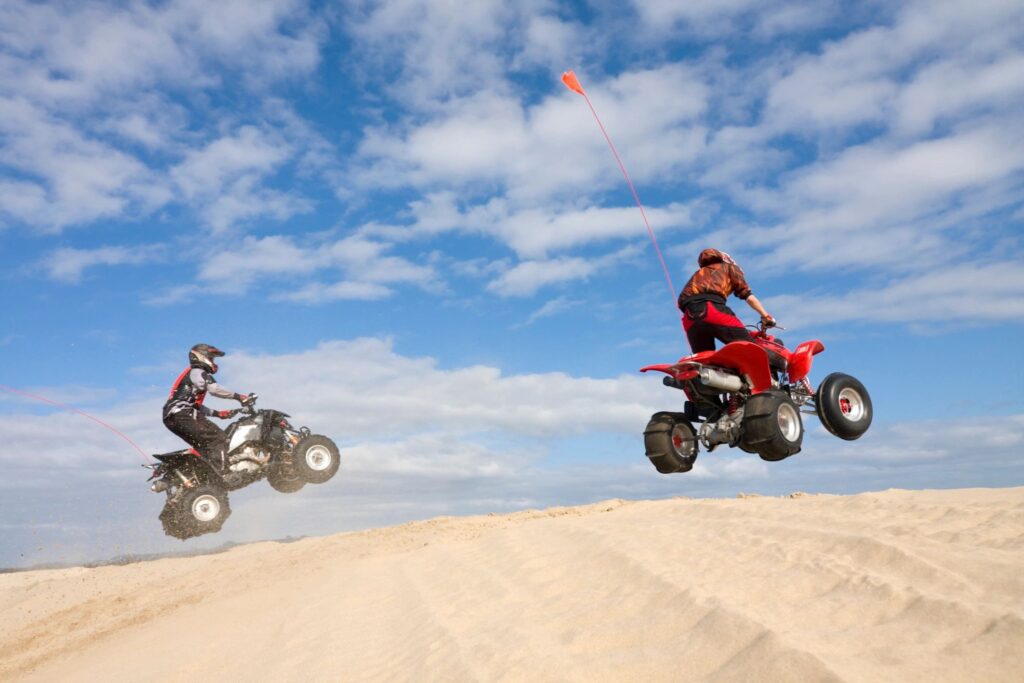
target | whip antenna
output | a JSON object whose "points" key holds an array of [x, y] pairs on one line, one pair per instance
{"points": [[75, 410], [571, 82]]}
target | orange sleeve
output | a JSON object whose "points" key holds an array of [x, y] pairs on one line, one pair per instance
{"points": [[739, 283]]}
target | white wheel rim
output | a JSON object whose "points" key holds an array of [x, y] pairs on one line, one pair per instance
{"points": [[205, 508], [318, 458], [789, 422], [682, 441], [851, 404]]}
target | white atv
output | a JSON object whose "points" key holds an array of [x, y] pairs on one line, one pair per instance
{"points": [[260, 444]]}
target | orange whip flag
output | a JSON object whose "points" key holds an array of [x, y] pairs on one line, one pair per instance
{"points": [[573, 83]]}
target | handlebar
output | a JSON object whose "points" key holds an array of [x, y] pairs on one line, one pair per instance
{"points": [[762, 327], [248, 405]]}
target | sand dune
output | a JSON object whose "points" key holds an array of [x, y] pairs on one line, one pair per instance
{"points": [[896, 586]]}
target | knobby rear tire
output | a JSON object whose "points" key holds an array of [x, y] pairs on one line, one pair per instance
{"points": [[772, 427], [200, 510], [671, 443]]}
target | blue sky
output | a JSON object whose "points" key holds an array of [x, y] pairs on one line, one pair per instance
{"points": [[407, 233]]}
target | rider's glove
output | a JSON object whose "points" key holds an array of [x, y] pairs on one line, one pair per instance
{"points": [[244, 399], [225, 414], [768, 321]]}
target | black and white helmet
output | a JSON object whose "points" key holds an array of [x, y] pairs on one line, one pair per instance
{"points": [[204, 356]]}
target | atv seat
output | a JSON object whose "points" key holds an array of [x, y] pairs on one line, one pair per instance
{"points": [[167, 457]]}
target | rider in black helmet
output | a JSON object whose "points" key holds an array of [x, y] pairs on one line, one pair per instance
{"points": [[184, 413]]}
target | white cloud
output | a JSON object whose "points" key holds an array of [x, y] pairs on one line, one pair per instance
{"points": [[248, 150], [346, 290], [550, 40], [526, 277], [945, 89], [715, 18], [67, 264], [914, 146], [77, 54], [346, 388], [859, 78], [848, 84], [83, 178], [246, 199], [81, 85], [349, 385], [961, 293], [438, 456], [365, 264], [550, 308], [431, 50], [548, 149], [535, 231], [883, 205], [665, 13], [224, 178], [255, 258]]}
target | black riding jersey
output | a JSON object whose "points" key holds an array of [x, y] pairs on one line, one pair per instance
{"points": [[190, 390]]}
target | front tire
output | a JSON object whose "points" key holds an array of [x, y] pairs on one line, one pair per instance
{"points": [[315, 459], [771, 426], [843, 406], [197, 511], [671, 443]]}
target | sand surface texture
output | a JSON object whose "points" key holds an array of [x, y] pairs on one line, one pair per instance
{"points": [[890, 586]]}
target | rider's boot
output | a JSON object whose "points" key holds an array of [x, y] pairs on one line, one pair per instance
{"points": [[218, 459]]}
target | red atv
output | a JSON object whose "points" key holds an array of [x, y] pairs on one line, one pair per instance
{"points": [[750, 394]]}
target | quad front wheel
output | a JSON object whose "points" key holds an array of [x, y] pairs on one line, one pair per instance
{"points": [[671, 443], [843, 406], [771, 426], [199, 510], [315, 459]]}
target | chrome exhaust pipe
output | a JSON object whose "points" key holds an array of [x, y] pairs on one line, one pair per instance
{"points": [[720, 380]]}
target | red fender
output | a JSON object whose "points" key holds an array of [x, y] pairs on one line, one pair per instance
{"points": [[749, 360], [800, 360], [667, 368], [746, 358], [682, 369]]}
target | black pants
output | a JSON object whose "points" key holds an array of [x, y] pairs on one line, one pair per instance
{"points": [[198, 432]]}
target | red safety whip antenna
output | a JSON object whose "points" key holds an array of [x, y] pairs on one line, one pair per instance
{"points": [[571, 82], [74, 410]]}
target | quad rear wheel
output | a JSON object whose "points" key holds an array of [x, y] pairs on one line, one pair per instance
{"points": [[199, 510], [670, 442], [843, 406], [771, 426]]}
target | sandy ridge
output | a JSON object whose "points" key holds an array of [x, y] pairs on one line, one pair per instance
{"points": [[896, 585]]}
